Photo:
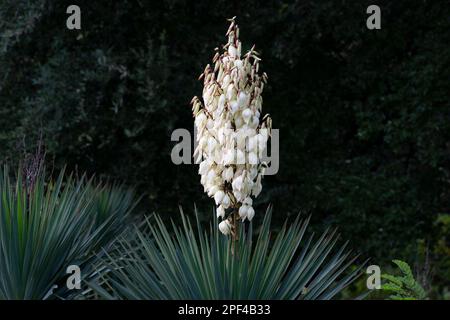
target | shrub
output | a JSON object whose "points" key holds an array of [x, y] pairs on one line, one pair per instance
{"points": [[47, 226], [194, 264]]}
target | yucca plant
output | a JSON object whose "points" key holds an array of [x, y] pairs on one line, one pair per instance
{"points": [[190, 263], [47, 226]]}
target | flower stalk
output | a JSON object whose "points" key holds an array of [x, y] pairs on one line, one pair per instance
{"points": [[232, 137]]}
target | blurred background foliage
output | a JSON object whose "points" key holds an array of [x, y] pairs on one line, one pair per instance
{"points": [[363, 115]]}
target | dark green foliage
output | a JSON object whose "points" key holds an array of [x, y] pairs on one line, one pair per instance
{"points": [[403, 287], [363, 115], [191, 263], [47, 226]]}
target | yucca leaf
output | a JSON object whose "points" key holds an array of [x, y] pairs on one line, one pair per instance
{"points": [[48, 226], [197, 263]]}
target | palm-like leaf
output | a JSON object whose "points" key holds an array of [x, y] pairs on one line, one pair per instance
{"points": [[193, 264], [50, 226]]}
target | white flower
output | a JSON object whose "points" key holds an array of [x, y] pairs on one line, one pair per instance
{"points": [[242, 99], [252, 158], [238, 195], [246, 114], [243, 212], [257, 187], [252, 143], [239, 122], [229, 157], [234, 107], [250, 213], [231, 91], [203, 141], [248, 201], [232, 51], [218, 196], [237, 183], [240, 139], [210, 124], [253, 173], [222, 101], [220, 212], [226, 201], [212, 191], [225, 227], [238, 64], [254, 123], [240, 157], [203, 167], [226, 81], [200, 122], [211, 175], [211, 144], [227, 174]]}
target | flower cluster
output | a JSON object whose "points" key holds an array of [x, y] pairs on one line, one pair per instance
{"points": [[231, 135]]}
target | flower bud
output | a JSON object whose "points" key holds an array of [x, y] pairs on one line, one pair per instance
{"points": [[232, 51], [238, 64]]}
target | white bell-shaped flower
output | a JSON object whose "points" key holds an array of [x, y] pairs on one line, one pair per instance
{"points": [[220, 211], [225, 227], [243, 210], [250, 213]]}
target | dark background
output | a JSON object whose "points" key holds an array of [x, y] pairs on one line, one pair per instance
{"points": [[363, 114]]}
